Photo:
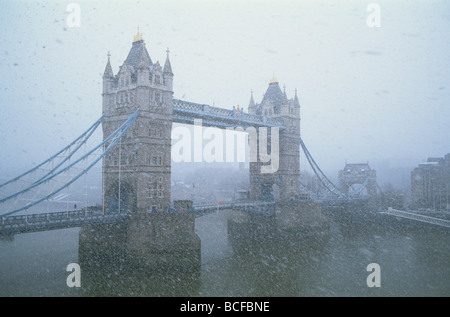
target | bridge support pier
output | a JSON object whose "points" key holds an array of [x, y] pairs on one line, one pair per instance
{"points": [[145, 241], [164, 241], [303, 219], [287, 221]]}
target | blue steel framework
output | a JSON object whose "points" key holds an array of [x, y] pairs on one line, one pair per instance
{"points": [[186, 112]]}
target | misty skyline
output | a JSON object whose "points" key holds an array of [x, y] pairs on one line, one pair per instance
{"points": [[366, 94]]}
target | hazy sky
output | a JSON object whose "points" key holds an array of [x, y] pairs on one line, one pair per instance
{"points": [[366, 93]]}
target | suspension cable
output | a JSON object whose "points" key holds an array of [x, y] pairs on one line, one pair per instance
{"points": [[113, 139]]}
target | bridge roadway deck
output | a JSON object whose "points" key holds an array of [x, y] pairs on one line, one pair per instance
{"points": [[76, 218]]}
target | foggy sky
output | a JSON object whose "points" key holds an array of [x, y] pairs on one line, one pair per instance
{"points": [[366, 94]]}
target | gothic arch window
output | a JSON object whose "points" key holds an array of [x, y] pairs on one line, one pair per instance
{"points": [[158, 97]]}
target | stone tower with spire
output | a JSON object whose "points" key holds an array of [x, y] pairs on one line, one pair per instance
{"points": [[284, 183], [136, 174]]}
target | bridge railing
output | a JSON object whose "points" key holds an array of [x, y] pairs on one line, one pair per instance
{"points": [[188, 105], [54, 220], [65, 219], [201, 210], [219, 111], [418, 217]]}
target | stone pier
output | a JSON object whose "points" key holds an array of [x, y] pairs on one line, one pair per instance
{"points": [[289, 220], [160, 241]]}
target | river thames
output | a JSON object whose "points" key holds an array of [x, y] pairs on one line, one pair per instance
{"points": [[412, 262]]}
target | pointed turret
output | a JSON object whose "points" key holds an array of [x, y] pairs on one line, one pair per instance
{"points": [[108, 76], [167, 66], [108, 69], [251, 105], [296, 103], [285, 98], [167, 72], [252, 102]]}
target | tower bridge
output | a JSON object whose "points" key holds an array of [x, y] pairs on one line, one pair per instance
{"points": [[138, 110], [145, 152]]}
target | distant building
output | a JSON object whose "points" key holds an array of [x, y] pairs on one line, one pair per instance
{"points": [[358, 173], [430, 184]]}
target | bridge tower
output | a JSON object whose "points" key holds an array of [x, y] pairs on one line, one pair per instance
{"points": [[282, 184], [137, 172], [359, 173]]}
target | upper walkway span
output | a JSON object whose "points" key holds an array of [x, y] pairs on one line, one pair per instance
{"points": [[187, 112]]}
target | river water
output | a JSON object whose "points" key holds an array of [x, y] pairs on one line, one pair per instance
{"points": [[412, 263]]}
